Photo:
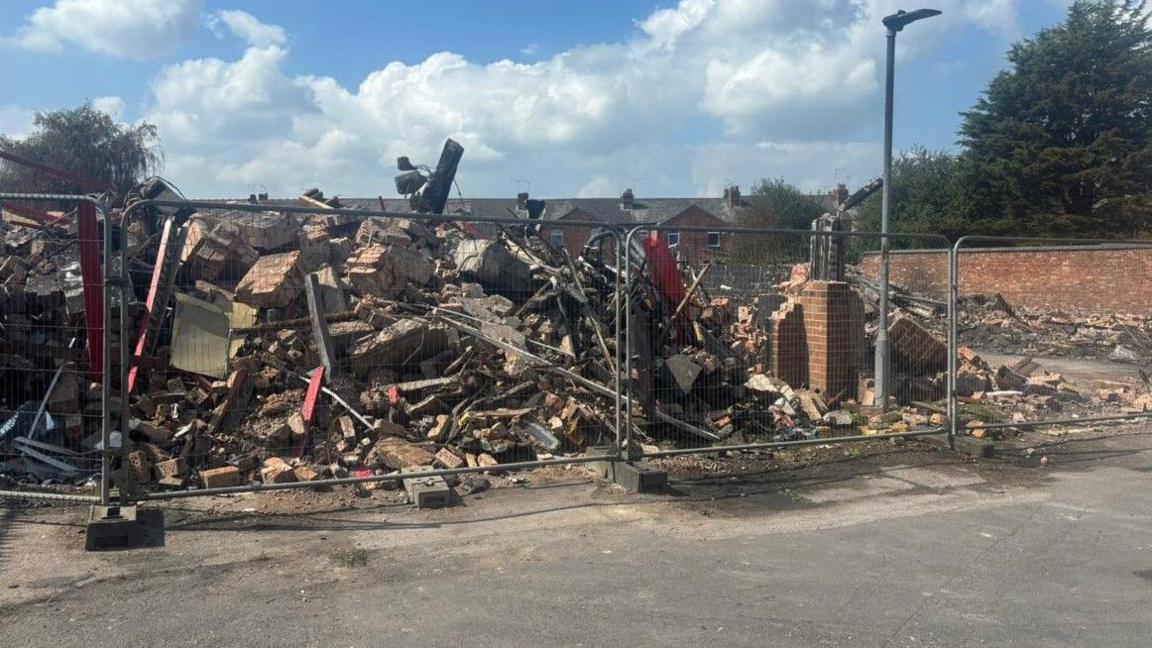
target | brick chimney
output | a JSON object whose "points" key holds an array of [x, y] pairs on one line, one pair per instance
{"points": [[626, 199], [732, 198], [522, 200], [840, 194]]}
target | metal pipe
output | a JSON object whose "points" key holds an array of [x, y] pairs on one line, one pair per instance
{"points": [[125, 356], [445, 218], [618, 296], [790, 444], [1068, 421], [1126, 243], [953, 342], [625, 303], [106, 378], [61, 497], [370, 213], [32, 430], [349, 481], [882, 362]]}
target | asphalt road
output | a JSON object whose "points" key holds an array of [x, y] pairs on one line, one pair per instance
{"points": [[902, 547]]}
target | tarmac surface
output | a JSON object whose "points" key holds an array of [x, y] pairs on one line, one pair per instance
{"points": [[864, 546]]}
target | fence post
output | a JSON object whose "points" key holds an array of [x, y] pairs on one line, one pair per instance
{"points": [[88, 212], [619, 297], [626, 304], [953, 349]]}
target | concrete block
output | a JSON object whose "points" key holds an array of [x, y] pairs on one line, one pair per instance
{"points": [[638, 477], [971, 446], [602, 469], [112, 527], [427, 492]]}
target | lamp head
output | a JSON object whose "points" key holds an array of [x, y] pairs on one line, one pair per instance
{"points": [[901, 19]]}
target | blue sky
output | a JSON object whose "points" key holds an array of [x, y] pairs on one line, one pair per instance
{"points": [[678, 98]]}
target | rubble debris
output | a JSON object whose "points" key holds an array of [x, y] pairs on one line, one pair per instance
{"points": [[200, 337], [913, 347], [1003, 328], [273, 281], [284, 348], [220, 477]]}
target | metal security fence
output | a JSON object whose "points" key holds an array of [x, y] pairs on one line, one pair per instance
{"points": [[186, 348], [1050, 333], [59, 332], [762, 366]]}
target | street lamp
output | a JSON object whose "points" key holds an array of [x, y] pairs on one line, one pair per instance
{"points": [[895, 23]]}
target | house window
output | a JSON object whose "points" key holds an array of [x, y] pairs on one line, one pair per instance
{"points": [[673, 239], [714, 239], [558, 238]]}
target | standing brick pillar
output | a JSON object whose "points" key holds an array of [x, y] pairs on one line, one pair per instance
{"points": [[788, 345], [834, 332]]}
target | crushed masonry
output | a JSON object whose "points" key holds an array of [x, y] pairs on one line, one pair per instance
{"points": [[276, 348]]}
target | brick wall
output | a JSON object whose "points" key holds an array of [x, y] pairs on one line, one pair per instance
{"points": [[818, 340], [1112, 278]]}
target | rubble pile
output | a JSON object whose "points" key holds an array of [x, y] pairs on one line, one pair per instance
{"points": [[278, 346], [1023, 391], [997, 326], [429, 347]]}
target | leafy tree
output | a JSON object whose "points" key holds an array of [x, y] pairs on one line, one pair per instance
{"points": [[928, 197], [85, 141], [1061, 141], [774, 204]]}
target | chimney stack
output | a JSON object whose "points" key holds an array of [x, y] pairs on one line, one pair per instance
{"points": [[732, 198], [522, 200], [627, 199], [841, 193]]}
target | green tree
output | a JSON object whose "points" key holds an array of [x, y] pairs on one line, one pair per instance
{"points": [[1061, 141], [774, 204], [85, 141], [927, 197]]}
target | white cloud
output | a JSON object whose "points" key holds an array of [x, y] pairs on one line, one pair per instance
{"points": [[530, 49], [997, 16], [249, 28], [137, 29], [702, 92], [15, 122], [114, 106], [600, 186]]}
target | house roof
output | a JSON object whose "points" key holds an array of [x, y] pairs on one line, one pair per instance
{"points": [[693, 211]]}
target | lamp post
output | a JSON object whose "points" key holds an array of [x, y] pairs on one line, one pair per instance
{"points": [[895, 23]]}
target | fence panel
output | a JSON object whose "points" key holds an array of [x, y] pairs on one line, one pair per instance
{"points": [[750, 363], [286, 346], [1050, 331], [56, 388]]}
